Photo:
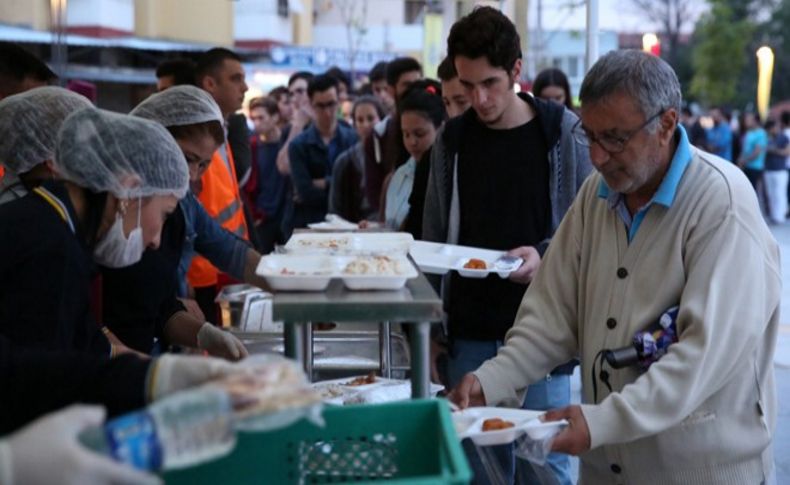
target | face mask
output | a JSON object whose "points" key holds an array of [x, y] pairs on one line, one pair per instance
{"points": [[114, 250]]}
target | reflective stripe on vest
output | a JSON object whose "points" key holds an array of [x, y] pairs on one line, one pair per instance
{"points": [[220, 197]]}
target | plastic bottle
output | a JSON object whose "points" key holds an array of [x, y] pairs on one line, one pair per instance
{"points": [[181, 430]]}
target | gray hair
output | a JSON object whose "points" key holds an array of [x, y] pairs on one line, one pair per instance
{"points": [[648, 79]]}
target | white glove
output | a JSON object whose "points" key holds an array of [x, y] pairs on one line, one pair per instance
{"points": [[219, 343], [170, 373], [47, 451]]}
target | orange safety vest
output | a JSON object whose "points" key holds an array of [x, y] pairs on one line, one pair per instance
{"points": [[220, 197]]}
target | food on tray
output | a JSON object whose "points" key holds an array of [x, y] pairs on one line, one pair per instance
{"points": [[330, 391], [363, 380], [289, 272], [326, 243], [373, 265], [496, 424], [475, 263]]}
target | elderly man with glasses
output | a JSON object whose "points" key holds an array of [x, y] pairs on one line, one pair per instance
{"points": [[661, 225]]}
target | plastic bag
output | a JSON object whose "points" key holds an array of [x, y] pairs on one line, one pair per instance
{"points": [[271, 393]]}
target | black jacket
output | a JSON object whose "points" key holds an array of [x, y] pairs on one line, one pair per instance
{"points": [[35, 382], [46, 271]]}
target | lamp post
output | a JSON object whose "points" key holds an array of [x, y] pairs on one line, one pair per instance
{"points": [[765, 70], [59, 46]]}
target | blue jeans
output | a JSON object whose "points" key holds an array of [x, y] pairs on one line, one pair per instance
{"points": [[552, 392]]}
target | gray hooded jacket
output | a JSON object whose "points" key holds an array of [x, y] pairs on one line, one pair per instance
{"points": [[569, 165]]}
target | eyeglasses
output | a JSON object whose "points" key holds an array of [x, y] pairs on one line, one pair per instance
{"points": [[327, 105], [610, 143]]}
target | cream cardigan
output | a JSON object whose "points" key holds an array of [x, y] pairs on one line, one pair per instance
{"points": [[703, 414]]}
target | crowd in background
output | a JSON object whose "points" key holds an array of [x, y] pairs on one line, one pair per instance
{"points": [[132, 237]]}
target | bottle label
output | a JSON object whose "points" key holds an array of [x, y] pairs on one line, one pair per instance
{"points": [[132, 439]]}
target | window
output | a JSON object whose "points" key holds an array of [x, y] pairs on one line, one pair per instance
{"points": [[557, 62], [573, 67], [414, 11], [282, 8]]}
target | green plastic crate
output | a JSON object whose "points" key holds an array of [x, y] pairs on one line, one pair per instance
{"points": [[407, 442]]}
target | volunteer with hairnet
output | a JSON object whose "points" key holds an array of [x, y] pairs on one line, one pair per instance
{"points": [[121, 177], [40, 381], [195, 121], [29, 123]]}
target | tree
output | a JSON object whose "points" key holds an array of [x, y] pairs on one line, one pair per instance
{"points": [[718, 58], [776, 34], [672, 16], [354, 14]]}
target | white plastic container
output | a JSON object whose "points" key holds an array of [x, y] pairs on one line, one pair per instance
{"points": [[439, 258], [287, 272], [347, 243], [313, 272], [469, 424]]}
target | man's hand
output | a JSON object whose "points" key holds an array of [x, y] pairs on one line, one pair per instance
{"points": [[526, 271], [302, 116], [575, 439], [468, 392]]}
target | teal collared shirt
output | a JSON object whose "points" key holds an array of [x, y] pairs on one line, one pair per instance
{"points": [[665, 194]]}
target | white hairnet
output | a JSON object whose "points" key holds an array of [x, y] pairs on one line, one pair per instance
{"points": [[29, 123], [178, 106], [126, 156]]}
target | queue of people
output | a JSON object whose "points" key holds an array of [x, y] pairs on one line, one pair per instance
{"points": [[118, 230]]}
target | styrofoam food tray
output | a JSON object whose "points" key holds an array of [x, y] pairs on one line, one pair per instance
{"points": [[404, 270], [439, 258], [469, 423], [313, 272], [303, 273], [350, 243], [337, 391]]}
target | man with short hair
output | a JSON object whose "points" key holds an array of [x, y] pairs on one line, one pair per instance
{"points": [[175, 72], [456, 102], [21, 71], [775, 173], [503, 174], [664, 238], [720, 135], [312, 155], [283, 99], [378, 85], [302, 116], [267, 185], [755, 143], [220, 73]]}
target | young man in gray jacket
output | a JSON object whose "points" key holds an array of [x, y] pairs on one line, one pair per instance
{"points": [[503, 175]]}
